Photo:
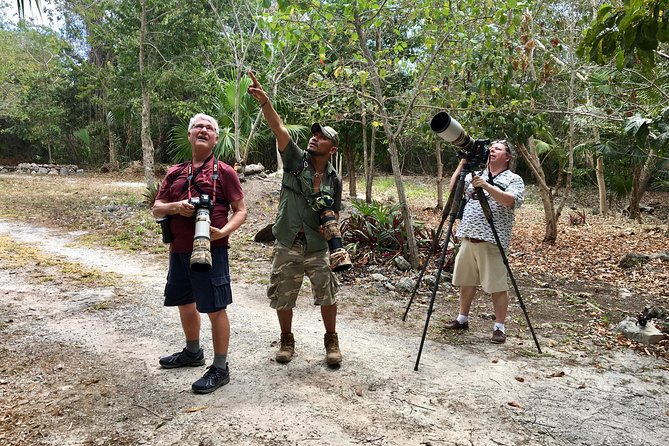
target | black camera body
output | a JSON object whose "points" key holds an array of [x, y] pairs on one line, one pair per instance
{"points": [[203, 201], [339, 258], [200, 259], [474, 151]]}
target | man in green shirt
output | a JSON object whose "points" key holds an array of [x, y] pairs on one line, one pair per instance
{"points": [[300, 246]]}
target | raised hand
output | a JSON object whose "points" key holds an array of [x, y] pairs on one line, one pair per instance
{"points": [[255, 89]]}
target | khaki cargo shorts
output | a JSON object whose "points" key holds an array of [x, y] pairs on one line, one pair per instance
{"points": [[289, 266], [480, 264]]}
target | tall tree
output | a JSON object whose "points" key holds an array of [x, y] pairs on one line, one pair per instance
{"points": [[147, 144], [630, 35], [382, 47]]}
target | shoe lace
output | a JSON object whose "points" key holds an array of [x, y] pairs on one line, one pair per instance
{"points": [[214, 372], [210, 373], [331, 344]]}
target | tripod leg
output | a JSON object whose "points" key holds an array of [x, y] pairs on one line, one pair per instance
{"points": [[488, 214], [430, 307], [433, 248], [456, 206]]}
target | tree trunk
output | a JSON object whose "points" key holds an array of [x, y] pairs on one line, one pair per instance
{"points": [[350, 166], [279, 161], [570, 108], [440, 177], [641, 176], [412, 247], [147, 144], [529, 153], [601, 186], [113, 158], [389, 129], [365, 160], [369, 181]]}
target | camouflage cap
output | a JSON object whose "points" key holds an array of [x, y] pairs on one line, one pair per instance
{"points": [[327, 131]]}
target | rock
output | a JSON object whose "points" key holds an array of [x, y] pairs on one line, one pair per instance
{"points": [[633, 259], [378, 277], [429, 280], [406, 284], [646, 335], [265, 235], [402, 264], [251, 169]]}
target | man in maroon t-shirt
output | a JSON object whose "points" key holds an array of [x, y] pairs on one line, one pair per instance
{"points": [[195, 292]]}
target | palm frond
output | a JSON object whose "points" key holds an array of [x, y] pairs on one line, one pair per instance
{"points": [[179, 146]]}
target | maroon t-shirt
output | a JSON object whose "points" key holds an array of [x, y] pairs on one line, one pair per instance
{"points": [[174, 188]]}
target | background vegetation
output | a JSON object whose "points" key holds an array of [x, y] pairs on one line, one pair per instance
{"points": [[580, 88]]}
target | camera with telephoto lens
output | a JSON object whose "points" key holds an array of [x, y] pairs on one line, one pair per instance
{"points": [[447, 128], [200, 259], [339, 258]]}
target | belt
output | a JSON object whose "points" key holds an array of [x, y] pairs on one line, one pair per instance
{"points": [[475, 240]]}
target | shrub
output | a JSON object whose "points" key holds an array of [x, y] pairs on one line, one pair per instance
{"points": [[375, 230]]}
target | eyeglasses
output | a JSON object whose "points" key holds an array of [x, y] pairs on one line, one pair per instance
{"points": [[500, 141], [207, 127]]}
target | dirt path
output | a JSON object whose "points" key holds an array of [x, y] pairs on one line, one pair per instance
{"points": [[80, 368]]}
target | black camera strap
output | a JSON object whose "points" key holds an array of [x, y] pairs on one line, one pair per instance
{"points": [[334, 180], [192, 176], [491, 177]]}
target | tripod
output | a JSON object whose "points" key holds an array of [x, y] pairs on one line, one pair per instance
{"points": [[455, 204]]}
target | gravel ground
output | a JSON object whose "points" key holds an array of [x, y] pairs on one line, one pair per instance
{"points": [[80, 368]]}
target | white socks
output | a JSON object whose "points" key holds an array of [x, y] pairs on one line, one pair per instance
{"points": [[462, 318], [499, 327]]}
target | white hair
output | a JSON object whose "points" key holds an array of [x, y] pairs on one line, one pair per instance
{"points": [[206, 118]]}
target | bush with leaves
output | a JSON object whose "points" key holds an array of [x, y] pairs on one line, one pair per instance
{"points": [[375, 231]]}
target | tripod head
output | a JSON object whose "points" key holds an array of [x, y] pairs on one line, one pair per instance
{"points": [[477, 156]]}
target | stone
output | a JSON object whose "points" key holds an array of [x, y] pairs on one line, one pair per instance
{"points": [[402, 264], [406, 284], [648, 334]]}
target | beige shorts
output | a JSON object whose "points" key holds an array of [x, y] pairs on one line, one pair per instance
{"points": [[289, 266], [480, 264]]}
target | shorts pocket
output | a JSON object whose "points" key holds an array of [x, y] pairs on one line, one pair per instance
{"points": [[221, 292], [334, 285]]}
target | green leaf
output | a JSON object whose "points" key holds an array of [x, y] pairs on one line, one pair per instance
{"points": [[620, 59], [603, 11], [635, 124]]}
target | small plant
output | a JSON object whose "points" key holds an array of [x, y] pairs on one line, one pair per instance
{"points": [[150, 193], [377, 229]]}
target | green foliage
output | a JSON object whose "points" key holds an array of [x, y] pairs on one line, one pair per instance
{"points": [[85, 138], [150, 193], [34, 75], [627, 34], [378, 228]]}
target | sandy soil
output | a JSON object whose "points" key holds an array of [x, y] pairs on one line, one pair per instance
{"points": [[75, 374], [80, 367]]}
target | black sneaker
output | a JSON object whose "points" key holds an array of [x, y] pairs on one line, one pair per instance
{"points": [[212, 379], [182, 359]]}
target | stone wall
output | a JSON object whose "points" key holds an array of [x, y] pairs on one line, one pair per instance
{"points": [[42, 169]]}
